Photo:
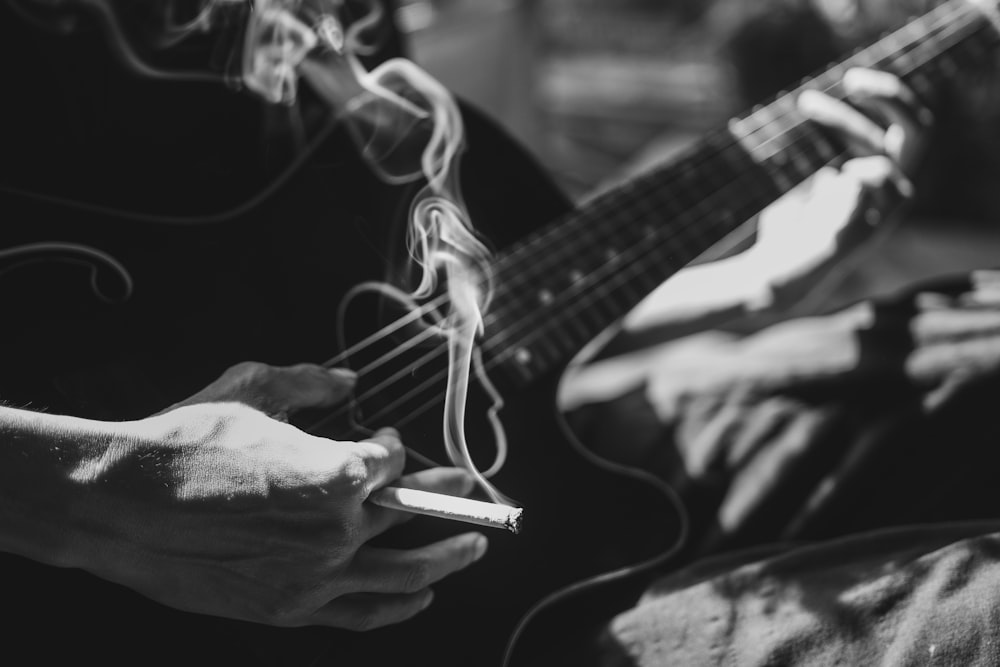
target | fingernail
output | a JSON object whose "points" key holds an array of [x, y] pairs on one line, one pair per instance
{"points": [[343, 374], [479, 547], [427, 600]]}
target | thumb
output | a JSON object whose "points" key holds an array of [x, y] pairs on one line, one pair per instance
{"points": [[278, 390], [292, 388]]}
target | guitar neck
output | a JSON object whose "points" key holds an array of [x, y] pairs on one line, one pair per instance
{"points": [[559, 288]]}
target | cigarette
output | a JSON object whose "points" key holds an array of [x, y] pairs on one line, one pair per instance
{"points": [[449, 507]]}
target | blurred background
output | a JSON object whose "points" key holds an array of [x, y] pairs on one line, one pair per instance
{"points": [[588, 85], [593, 85], [599, 89]]}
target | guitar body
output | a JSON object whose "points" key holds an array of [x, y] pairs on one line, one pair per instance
{"points": [[116, 317]]}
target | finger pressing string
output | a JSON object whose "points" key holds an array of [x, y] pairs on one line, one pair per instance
{"points": [[876, 171], [864, 134], [862, 85]]}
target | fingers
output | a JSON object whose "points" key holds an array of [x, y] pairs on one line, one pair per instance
{"points": [[386, 586], [887, 98], [384, 457], [883, 95], [864, 135], [451, 481], [278, 390], [367, 612], [873, 171], [290, 388], [897, 105], [896, 100], [376, 570]]}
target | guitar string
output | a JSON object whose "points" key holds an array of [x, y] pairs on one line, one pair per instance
{"points": [[437, 352], [583, 297], [396, 405], [535, 333], [408, 319], [916, 41], [583, 301], [539, 247], [608, 577], [632, 269], [529, 273], [524, 256], [506, 332], [618, 575], [568, 249]]}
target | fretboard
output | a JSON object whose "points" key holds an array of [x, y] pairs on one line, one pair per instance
{"points": [[559, 288]]}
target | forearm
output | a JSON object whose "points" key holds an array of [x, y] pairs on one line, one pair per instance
{"points": [[46, 466], [703, 296]]}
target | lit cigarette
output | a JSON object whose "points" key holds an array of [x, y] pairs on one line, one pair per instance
{"points": [[449, 507]]}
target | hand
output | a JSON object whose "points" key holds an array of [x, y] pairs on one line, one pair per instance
{"points": [[807, 236], [216, 508]]}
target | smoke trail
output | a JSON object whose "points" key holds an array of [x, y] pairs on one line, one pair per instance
{"points": [[394, 112], [142, 31]]}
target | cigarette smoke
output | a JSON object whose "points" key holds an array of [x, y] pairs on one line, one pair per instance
{"points": [[388, 109], [393, 112]]}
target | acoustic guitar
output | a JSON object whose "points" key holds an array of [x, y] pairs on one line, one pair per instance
{"points": [[114, 312]]}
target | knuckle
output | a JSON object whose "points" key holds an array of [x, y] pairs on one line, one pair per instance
{"points": [[251, 372], [354, 474]]}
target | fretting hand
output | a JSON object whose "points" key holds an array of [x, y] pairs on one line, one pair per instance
{"points": [[810, 236]]}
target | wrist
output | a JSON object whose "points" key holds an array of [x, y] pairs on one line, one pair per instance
{"points": [[49, 467]]}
